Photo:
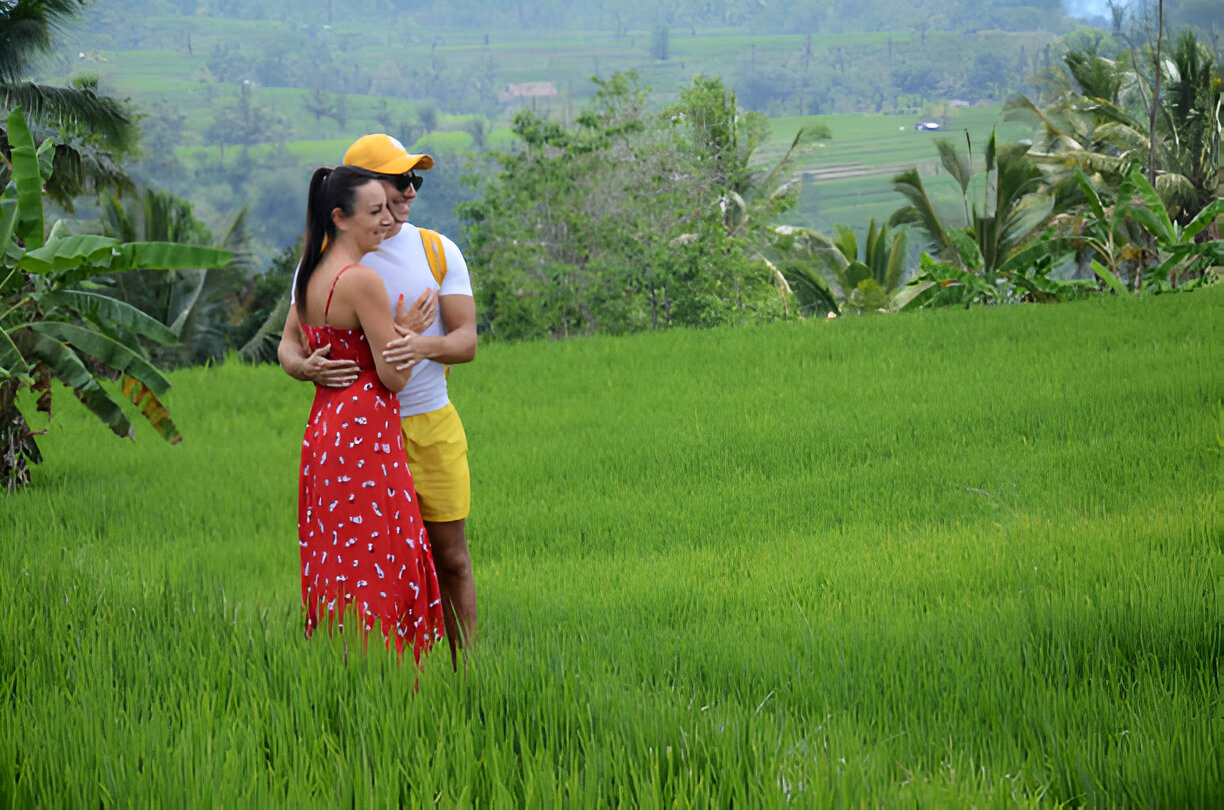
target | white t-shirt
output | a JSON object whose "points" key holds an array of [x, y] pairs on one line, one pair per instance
{"points": [[404, 268]]}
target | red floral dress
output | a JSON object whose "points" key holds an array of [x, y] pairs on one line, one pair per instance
{"points": [[363, 544]]}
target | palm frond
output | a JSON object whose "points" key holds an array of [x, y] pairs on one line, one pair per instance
{"points": [[26, 27], [262, 346], [920, 211], [74, 108], [955, 163]]}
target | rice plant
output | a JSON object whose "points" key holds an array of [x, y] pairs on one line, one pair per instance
{"points": [[958, 558]]}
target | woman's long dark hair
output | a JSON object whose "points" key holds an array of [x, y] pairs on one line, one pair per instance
{"points": [[329, 189]]}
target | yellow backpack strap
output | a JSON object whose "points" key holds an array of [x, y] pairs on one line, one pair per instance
{"points": [[434, 253]]}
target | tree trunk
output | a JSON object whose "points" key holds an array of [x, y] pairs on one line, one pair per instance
{"points": [[1151, 166], [17, 448]]}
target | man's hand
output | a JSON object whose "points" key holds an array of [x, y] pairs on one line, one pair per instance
{"points": [[421, 315], [300, 363], [330, 373]]}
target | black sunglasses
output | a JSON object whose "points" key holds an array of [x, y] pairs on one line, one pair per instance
{"points": [[402, 181]]}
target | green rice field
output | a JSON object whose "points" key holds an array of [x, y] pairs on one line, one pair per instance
{"points": [[847, 179], [947, 559]]}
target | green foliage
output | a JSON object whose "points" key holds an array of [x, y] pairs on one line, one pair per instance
{"points": [[201, 305], [1137, 245], [820, 268], [258, 334], [1002, 252], [56, 323], [629, 220], [93, 130], [1096, 119]]}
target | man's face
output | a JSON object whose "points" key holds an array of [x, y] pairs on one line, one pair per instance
{"points": [[399, 203]]}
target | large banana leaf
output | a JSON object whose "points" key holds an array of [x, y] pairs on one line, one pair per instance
{"points": [[1202, 219], [69, 369], [87, 255], [12, 364], [1152, 214], [27, 179], [107, 351], [1106, 275], [168, 256], [71, 252], [106, 312], [1090, 194], [808, 283], [151, 408], [8, 225], [1028, 258], [1029, 213]]}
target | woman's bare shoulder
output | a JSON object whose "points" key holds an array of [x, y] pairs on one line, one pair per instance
{"points": [[361, 279]]}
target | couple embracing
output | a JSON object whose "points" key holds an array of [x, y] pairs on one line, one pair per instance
{"points": [[381, 310]]}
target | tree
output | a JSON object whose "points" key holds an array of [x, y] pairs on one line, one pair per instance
{"points": [[198, 304], [1101, 114], [821, 269], [628, 220], [1002, 242], [1015, 204], [97, 129], [55, 324], [1134, 239], [659, 46]]}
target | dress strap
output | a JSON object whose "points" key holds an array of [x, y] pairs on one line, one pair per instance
{"points": [[332, 291]]}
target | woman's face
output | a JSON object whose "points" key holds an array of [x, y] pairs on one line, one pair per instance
{"points": [[371, 217]]}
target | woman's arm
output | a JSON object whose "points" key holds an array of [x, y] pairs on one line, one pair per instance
{"points": [[363, 292], [458, 345]]}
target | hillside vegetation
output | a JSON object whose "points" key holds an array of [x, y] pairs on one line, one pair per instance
{"points": [[239, 100], [950, 558]]}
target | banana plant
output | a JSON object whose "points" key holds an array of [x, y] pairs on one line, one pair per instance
{"points": [[1137, 238], [56, 324]]}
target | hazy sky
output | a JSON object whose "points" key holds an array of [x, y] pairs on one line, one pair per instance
{"points": [[1087, 8]]}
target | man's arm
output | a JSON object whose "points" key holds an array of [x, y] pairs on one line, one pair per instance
{"points": [[458, 345], [302, 364]]}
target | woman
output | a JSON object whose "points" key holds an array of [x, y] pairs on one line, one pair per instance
{"points": [[363, 544]]}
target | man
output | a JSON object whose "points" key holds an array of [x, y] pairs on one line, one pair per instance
{"points": [[434, 439]]}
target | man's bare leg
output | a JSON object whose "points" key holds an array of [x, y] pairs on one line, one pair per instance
{"points": [[454, 565]]}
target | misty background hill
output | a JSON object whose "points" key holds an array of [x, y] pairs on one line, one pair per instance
{"points": [[239, 99]]}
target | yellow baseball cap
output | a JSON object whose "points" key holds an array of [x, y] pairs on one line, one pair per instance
{"points": [[385, 155]]}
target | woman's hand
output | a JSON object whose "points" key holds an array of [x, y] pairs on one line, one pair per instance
{"points": [[421, 315], [403, 352]]}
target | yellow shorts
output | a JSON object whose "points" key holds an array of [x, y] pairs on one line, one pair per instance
{"points": [[436, 447]]}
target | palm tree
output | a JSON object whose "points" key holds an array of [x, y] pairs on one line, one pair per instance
{"points": [[1101, 117], [199, 305], [823, 270], [92, 129], [1016, 204]]}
